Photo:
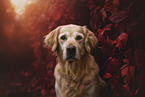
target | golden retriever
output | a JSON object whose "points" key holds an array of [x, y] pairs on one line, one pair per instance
{"points": [[76, 73]]}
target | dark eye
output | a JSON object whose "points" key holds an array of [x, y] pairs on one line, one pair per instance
{"points": [[78, 37], [63, 37]]}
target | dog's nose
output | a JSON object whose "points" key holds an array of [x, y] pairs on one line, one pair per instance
{"points": [[71, 48], [71, 52]]}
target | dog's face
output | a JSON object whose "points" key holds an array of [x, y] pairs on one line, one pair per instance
{"points": [[72, 41]]}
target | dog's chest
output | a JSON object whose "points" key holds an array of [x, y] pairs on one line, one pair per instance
{"points": [[76, 88]]}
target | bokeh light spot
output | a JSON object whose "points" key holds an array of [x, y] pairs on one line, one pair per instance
{"points": [[20, 5]]}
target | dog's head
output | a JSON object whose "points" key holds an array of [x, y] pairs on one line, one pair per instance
{"points": [[72, 41]]}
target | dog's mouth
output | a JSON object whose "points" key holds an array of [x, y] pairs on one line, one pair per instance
{"points": [[71, 57], [71, 60]]}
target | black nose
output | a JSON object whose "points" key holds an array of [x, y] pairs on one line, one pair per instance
{"points": [[71, 52], [71, 49]]}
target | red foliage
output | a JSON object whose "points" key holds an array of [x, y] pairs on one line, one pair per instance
{"points": [[119, 26]]}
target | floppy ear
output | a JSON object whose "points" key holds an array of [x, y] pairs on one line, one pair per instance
{"points": [[51, 39], [90, 39]]}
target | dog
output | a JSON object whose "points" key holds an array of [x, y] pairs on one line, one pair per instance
{"points": [[76, 74]]}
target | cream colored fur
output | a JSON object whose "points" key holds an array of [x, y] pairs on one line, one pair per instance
{"points": [[75, 78]]}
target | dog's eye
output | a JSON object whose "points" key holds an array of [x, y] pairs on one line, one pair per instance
{"points": [[79, 37], [63, 37]]}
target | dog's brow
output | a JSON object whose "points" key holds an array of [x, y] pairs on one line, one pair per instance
{"points": [[77, 33], [64, 33]]}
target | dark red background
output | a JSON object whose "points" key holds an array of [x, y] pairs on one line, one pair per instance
{"points": [[26, 66]]}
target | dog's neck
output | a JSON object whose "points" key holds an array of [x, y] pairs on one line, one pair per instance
{"points": [[77, 67]]}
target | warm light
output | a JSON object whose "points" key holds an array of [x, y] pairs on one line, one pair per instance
{"points": [[20, 5]]}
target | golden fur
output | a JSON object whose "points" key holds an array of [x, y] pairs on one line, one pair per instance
{"points": [[77, 78]]}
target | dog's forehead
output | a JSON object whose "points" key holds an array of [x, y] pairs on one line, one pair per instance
{"points": [[71, 29]]}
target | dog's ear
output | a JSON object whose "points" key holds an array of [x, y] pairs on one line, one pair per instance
{"points": [[90, 40], [51, 39]]}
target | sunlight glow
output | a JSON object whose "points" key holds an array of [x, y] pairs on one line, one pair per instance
{"points": [[20, 5]]}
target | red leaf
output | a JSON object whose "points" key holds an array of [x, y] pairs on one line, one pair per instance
{"points": [[118, 43], [100, 31], [123, 37], [124, 70], [108, 6], [51, 65], [115, 82], [130, 75], [43, 92], [125, 80], [125, 90], [107, 76], [50, 73], [109, 41], [118, 17], [116, 2], [127, 53], [101, 38], [107, 50], [136, 91], [126, 60], [25, 73], [112, 65], [107, 27], [132, 70], [123, 66], [104, 14]]}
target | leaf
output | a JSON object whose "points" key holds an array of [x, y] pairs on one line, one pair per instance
{"points": [[107, 76], [127, 53], [104, 14], [126, 60], [115, 82], [116, 2], [108, 5], [43, 92], [108, 27], [107, 50], [51, 65], [118, 43], [132, 70], [123, 66], [125, 90], [123, 37], [124, 70], [101, 38], [137, 90], [112, 65], [118, 16], [109, 41], [50, 73], [130, 75], [96, 18]]}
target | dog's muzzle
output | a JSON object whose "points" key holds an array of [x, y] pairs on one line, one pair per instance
{"points": [[70, 52]]}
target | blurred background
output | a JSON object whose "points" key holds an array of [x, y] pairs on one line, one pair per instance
{"points": [[26, 66]]}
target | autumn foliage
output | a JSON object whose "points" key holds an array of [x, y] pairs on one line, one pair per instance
{"points": [[120, 53]]}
